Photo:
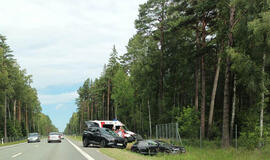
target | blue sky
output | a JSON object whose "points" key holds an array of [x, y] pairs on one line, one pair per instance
{"points": [[63, 42]]}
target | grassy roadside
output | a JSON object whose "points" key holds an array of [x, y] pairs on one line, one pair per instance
{"points": [[193, 153], [11, 143], [77, 138]]}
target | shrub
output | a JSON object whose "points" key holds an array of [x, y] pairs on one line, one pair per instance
{"points": [[189, 123]]}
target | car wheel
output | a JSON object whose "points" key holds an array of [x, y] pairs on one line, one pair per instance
{"points": [[124, 146], [49, 141], [103, 143], [85, 142]]}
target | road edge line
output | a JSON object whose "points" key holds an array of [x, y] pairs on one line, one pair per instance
{"points": [[87, 156]]}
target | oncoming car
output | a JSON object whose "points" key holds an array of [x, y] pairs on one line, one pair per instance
{"points": [[54, 137], [33, 137]]}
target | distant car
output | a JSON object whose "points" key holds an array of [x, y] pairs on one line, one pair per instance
{"points": [[33, 137], [103, 137], [54, 137], [169, 148], [145, 147], [62, 135]]}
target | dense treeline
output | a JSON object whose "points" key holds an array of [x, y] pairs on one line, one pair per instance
{"points": [[20, 110], [200, 60]]}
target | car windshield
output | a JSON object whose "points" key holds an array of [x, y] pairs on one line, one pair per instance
{"points": [[108, 131], [33, 134], [150, 142], [54, 133], [163, 143]]}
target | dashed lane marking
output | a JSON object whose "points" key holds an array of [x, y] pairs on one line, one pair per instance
{"points": [[16, 155]]}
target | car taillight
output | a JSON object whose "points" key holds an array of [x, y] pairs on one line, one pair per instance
{"points": [[48, 137], [59, 136]]}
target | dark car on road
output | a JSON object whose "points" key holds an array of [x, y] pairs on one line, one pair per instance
{"points": [[145, 147], [103, 137], [33, 137], [169, 148]]}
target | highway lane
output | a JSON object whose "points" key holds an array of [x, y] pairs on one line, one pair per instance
{"points": [[67, 150]]}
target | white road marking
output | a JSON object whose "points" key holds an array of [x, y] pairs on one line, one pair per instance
{"points": [[16, 155], [81, 151]]}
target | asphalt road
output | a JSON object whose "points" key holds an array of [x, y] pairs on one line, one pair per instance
{"points": [[66, 150]]}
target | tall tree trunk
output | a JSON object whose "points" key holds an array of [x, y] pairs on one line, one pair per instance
{"points": [[9, 111], [197, 72], [226, 108], [14, 111], [108, 99], [82, 117], [26, 119], [197, 77], [115, 111], [161, 70], [88, 110], [226, 105], [233, 107], [103, 105], [203, 80], [92, 110], [262, 100], [203, 100], [5, 117], [214, 91], [140, 118], [19, 112], [96, 110], [149, 115]]}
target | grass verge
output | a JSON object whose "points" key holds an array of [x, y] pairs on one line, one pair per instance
{"points": [[11, 143], [193, 154], [77, 138]]}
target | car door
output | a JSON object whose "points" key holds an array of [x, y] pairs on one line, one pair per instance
{"points": [[90, 134], [96, 135]]}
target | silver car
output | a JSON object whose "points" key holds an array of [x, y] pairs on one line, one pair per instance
{"points": [[54, 137], [33, 137]]}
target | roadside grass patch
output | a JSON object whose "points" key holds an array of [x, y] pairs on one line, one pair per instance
{"points": [[209, 152], [11, 143], [77, 138], [193, 153]]}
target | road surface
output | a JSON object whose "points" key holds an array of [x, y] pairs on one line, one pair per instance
{"points": [[67, 150]]}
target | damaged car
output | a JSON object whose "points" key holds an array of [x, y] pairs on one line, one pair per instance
{"points": [[146, 147], [169, 148], [103, 137]]}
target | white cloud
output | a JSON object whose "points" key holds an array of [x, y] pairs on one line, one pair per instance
{"points": [[65, 41], [59, 106], [58, 99]]}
